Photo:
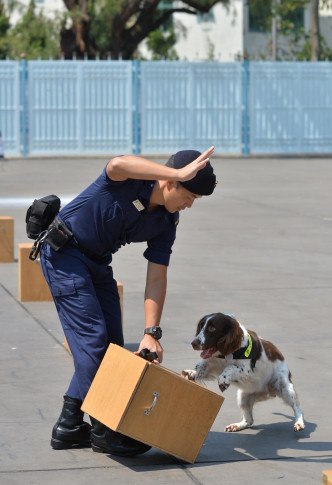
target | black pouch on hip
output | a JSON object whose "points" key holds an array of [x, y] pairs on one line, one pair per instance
{"points": [[57, 235], [40, 215]]}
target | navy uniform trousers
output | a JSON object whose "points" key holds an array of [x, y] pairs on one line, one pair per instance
{"points": [[88, 304]]}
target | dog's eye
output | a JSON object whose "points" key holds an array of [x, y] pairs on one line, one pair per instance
{"points": [[211, 328]]}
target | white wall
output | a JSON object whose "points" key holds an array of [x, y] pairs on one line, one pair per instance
{"points": [[217, 34], [326, 24]]}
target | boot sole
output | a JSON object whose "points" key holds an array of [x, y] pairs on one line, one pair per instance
{"points": [[98, 449], [66, 445]]}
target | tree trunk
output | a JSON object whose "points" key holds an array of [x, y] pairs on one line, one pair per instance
{"points": [[76, 41], [315, 34]]}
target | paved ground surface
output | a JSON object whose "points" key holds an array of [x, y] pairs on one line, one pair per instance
{"points": [[259, 248]]}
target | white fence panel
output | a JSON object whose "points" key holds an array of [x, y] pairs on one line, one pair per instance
{"points": [[10, 106], [107, 104], [217, 106], [80, 107], [165, 107], [191, 105], [290, 107], [316, 112]]}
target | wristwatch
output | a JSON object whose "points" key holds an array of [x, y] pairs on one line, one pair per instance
{"points": [[155, 332]]}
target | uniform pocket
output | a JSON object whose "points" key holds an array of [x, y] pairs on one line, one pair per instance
{"points": [[75, 303], [63, 287]]}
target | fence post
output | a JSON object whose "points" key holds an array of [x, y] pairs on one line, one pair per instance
{"points": [[24, 107], [136, 107], [245, 107]]}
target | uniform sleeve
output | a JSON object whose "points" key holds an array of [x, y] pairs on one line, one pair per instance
{"points": [[159, 248], [108, 181]]}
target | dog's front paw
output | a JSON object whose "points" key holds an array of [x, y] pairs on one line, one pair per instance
{"points": [[190, 375], [223, 384], [299, 425], [232, 428]]}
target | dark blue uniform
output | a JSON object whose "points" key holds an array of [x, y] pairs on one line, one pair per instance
{"points": [[104, 217]]}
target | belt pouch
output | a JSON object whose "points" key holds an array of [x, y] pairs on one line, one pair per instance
{"points": [[57, 235]]}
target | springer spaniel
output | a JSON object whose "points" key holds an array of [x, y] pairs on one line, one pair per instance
{"points": [[236, 355]]}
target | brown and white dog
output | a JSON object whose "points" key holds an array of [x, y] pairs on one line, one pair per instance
{"points": [[234, 355]]}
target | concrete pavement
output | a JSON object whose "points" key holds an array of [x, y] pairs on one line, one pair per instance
{"points": [[259, 248]]}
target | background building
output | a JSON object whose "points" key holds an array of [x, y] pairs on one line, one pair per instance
{"points": [[234, 32]]}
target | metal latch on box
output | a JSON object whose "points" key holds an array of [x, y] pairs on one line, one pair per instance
{"points": [[154, 402]]}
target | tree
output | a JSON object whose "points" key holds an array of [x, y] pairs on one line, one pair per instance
{"points": [[33, 37], [116, 27], [319, 50], [161, 44], [76, 40], [4, 27], [301, 45]]}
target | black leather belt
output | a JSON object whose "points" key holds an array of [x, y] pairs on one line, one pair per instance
{"points": [[94, 257]]}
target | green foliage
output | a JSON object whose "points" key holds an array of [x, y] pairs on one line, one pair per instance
{"points": [[161, 44], [299, 40], [102, 15], [303, 52], [4, 27], [33, 37], [211, 51], [289, 13], [260, 15]]}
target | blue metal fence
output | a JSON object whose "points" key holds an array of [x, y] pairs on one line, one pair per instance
{"points": [[187, 105], [80, 107], [10, 106], [290, 106], [110, 107]]}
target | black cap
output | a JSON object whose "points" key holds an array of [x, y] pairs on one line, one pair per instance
{"points": [[205, 180]]}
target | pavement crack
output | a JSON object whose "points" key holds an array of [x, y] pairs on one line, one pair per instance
{"points": [[191, 476]]}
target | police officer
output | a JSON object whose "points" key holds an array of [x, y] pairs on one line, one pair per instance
{"points": [[133, 200]]}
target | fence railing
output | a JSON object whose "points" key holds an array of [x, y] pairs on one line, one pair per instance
{"points": [[113, 107], [10, 106]]}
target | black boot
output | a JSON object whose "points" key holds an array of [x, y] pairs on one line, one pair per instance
{"points": [[104, 440], [70, 430]]}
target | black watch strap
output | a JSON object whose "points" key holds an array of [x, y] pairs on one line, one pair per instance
{"points": [[155, 332]]}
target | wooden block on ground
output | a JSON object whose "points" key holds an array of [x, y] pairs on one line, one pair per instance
{"points": [[6, 239], [120, 290], [151, 404], [32, 285], [327, 477]]}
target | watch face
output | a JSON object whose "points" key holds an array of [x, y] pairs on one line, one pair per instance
{"points": [[156, 332]]}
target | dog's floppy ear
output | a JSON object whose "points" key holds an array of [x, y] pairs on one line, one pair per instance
{"points": [[230, 342]]}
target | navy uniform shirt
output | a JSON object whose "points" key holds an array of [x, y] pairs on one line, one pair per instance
{"points": [[108, 215]]}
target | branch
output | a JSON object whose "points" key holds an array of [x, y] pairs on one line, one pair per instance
{"points": [[132, 8], [206, 5], [147, 23], [165, 16]]}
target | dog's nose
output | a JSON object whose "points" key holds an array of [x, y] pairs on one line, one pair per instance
{"points": [[196, 343]]}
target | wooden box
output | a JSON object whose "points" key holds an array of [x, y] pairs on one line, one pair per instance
{"points": [[32, 285], [327, 477], [6, 239], [151, 404]]}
